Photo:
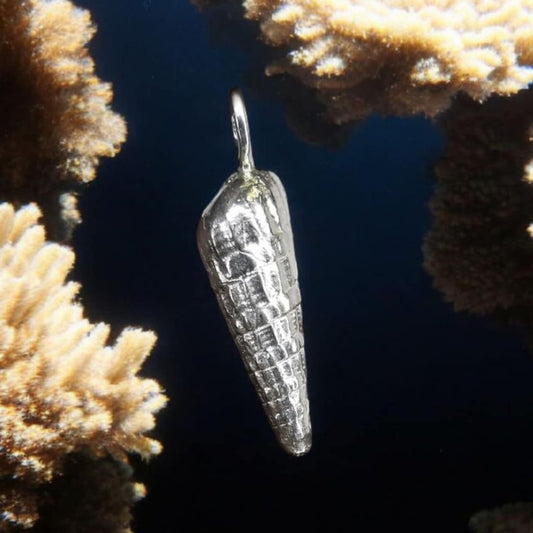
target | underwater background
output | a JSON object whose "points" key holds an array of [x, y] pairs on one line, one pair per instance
{"points": [[421, 416]]}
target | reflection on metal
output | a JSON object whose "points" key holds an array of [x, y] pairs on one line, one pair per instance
{"points": [[245, 241]]}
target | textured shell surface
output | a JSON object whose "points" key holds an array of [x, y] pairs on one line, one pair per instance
{"points": [[246, 244]]}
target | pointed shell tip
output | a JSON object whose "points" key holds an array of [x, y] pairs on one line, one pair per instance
{"points": [[298, 448]]}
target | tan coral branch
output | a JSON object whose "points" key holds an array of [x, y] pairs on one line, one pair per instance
{"points": [[62, 388], [55, 116], [399, 56]]}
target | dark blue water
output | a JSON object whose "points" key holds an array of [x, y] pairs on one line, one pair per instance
{"points": [[421, 416]]}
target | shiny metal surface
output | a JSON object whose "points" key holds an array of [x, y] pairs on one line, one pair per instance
{"points": [[246, 244]]}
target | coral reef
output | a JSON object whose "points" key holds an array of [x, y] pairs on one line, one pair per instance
{"points": [[62, 389], [478, 249], [398, 57], [55, 120]]}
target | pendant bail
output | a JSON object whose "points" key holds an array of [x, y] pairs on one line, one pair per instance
{"points": [[241, 131]]}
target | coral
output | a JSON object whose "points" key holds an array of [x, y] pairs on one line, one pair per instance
{"points": [[399, 57], [92, 495], [55, 120], [62, 389], [18, 505], [478, 249], [509, 518]]}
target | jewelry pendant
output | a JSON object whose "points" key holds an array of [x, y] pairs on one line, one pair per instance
{"points": [[245, 241]]}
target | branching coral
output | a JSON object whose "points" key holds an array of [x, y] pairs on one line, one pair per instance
{"points": [[62, 389], [399, 56], [478, 249], [55, 120]]}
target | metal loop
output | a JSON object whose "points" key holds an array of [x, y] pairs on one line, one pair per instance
{"points": [[241, 131]]}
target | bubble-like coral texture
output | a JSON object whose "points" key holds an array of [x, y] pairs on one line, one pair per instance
{"points": [[55, 119], [399, 57], [63, 389]]}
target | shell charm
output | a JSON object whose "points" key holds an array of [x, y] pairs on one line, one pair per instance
{"points": [[245, 241]]}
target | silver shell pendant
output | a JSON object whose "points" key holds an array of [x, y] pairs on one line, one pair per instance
{"points": [[245, 241]]}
